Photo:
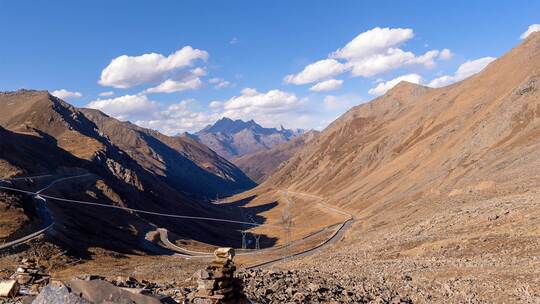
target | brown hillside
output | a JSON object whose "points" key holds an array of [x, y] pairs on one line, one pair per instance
{"points": [[416, 141], [261, 164], [444, 184]]}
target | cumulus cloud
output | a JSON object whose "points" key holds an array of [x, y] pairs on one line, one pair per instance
{"points": [[532, 28], [267, 108], [196, 72], [465, 70], [125, 107], [252, 101], [372, 42], [171, 119], [65, 94], [383, 87], [390, 60], [373, 52], [220, 83], [106, 94], [327, 85], [129, 71], [446, 54], [189, 80], [317, 71], [170, 86], [178, 118], [270, 108]]}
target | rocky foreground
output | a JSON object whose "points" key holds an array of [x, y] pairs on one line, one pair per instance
{"points": [[260, 286], [218, 283], [311, 286]]}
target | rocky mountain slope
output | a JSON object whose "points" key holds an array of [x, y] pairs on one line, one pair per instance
{"points": [[444, 184], [183, 163], [126, 165], [415, 141], [261, 164], [235, 138]]}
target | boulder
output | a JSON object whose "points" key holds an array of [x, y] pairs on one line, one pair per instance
{"points": [[226, 253], [98, 291], [9, 288], [58, 294]]}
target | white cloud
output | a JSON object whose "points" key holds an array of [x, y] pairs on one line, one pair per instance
{"points": [[532, 28], [249, 92], [106, 94], [215, 105], [465, 70], [373, 52], [383, 87], [170, 86], [390, 60], [128, 71], [317, 71], [270, 108], [178, 118], [372, 42], [65, 94], [445, 54], [327, 85], [252, 101], [220, 83], [188, 80], [196, 72], [233, 41], [125, 107]]}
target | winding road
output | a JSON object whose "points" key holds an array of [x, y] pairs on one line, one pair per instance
{"points": [[336, 236], [43, 211], [48, 223]]}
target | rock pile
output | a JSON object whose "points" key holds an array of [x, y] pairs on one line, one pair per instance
{"points": [[30, 276], [312, 286], [216, 283]]}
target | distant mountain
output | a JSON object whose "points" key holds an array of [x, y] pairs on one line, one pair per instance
{"points": [[236, 138], [260, 165]]}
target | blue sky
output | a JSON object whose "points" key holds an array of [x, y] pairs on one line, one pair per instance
{"points": [[232, 58]]}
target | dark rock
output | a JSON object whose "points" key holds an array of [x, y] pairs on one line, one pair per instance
{"points": [[58, 294]]}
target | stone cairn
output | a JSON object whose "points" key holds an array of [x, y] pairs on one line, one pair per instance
{"points": [[30, 276], [216, 283]]}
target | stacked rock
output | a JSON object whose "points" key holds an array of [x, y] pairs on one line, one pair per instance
{"points": [[30, 276], [216, 283]]}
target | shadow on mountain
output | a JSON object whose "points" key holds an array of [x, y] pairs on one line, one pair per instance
{"points": [[82, 227], [181, 174]]}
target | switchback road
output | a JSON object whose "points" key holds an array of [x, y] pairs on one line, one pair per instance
{"points": [[42, 210], [336, 236]]}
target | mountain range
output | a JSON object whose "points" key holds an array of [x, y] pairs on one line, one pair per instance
{"points": [[236, 138]]}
